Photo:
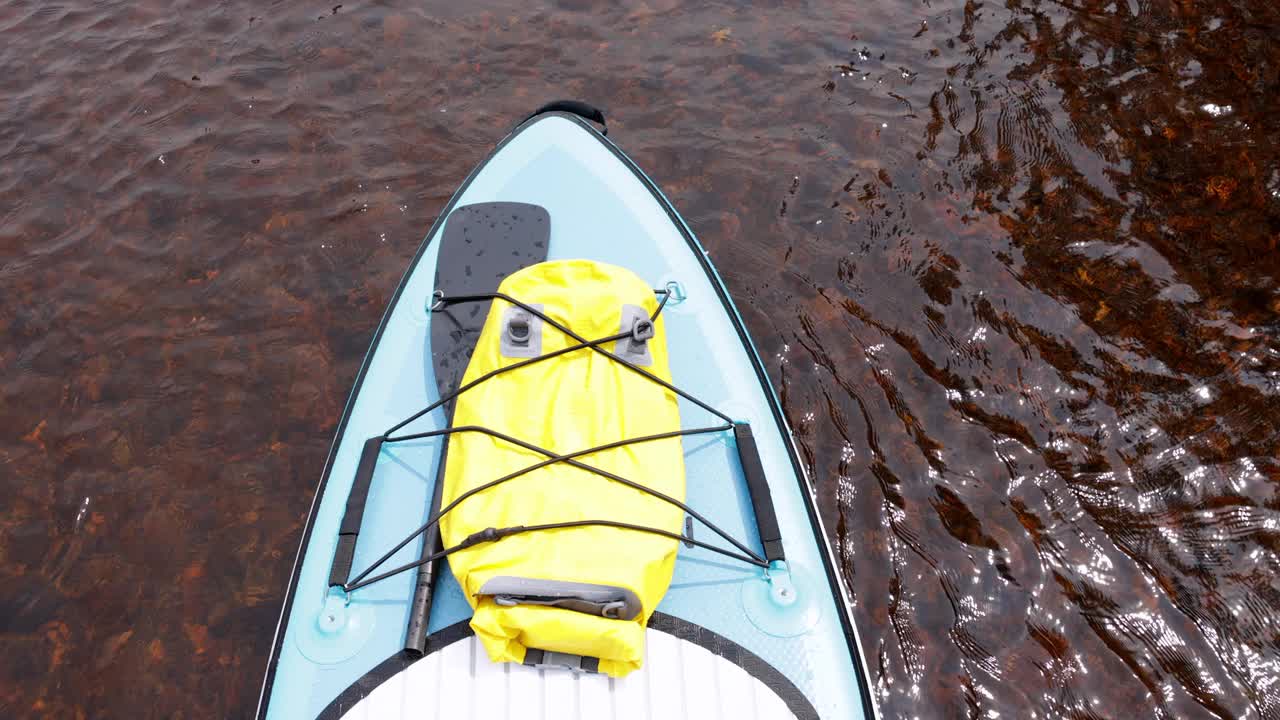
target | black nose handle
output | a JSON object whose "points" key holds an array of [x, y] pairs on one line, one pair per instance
{"points": [[577, 107]]}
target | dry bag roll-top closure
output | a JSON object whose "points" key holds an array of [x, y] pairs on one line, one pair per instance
{"points": [[576, 596]]}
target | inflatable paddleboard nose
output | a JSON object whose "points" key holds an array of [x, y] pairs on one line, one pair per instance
{"points": [[782, 601], [555, 191]]}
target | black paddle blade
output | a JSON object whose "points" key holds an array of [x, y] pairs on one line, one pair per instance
{"points": [[482, 244]]}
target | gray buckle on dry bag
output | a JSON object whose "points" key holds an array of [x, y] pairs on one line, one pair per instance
{"points": [[635, 347], [547, 659], [521, 333], [608, 601], [641, 330]]}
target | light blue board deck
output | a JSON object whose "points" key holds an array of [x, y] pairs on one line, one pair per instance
{"points": [[602, 208]]}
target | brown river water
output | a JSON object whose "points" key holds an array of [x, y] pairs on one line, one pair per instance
{"points": [[1013, 268]]}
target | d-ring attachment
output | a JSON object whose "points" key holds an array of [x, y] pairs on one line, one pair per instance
{"points": [[438, 304]]}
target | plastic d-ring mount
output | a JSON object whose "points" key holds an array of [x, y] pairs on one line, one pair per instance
{"points": [[675, 292], [341, 629], [783, 601]]}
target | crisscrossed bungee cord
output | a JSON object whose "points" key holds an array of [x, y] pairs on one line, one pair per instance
{"points": [[440, 301]]}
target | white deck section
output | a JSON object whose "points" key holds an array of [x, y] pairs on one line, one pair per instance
{"points": [[679, 681]]}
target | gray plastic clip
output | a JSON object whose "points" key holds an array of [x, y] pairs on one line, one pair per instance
{"points": [[521, 333], [642, 329], [635, 349]]}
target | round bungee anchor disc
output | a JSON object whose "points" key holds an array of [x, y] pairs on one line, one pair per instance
{"points": [[782, 601]]}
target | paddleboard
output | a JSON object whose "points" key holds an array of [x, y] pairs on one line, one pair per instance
{"points": [[728, 640]]}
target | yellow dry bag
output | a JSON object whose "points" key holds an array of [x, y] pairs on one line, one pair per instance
{"points": [[581, 592]]}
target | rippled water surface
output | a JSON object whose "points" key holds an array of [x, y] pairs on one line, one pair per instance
{"points": [[1013, 267]]}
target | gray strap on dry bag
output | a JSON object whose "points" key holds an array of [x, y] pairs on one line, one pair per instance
{"points": [[547, 659], [607, 601]]}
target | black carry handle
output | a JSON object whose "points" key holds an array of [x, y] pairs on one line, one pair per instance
{"points": [[577, 107], [758, 487], [345, 554]]}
